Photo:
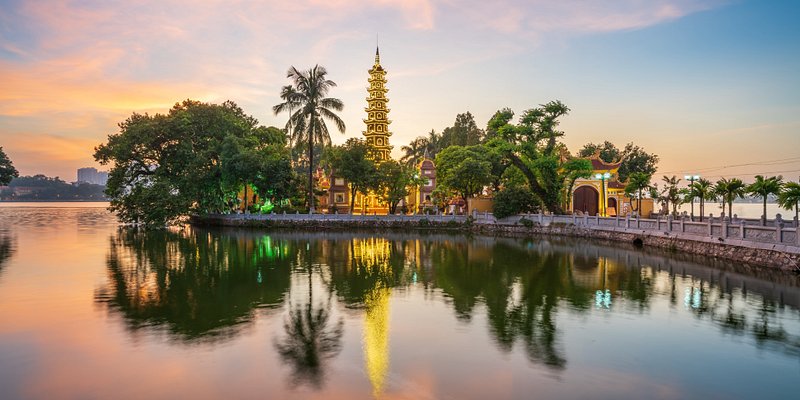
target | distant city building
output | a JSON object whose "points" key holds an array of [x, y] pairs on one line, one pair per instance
{"points": [[92, 175]]}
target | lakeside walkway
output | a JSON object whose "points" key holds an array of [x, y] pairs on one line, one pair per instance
{"points": [[741, 240]]}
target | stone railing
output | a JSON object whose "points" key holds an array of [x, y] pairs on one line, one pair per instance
{"points": [[737, 232]]}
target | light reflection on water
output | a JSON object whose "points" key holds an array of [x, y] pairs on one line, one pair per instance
{"points": [[243, 313]]}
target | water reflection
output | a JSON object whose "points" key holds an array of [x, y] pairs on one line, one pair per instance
{"points": [[196, 284], [204, 285], [7, 247]]}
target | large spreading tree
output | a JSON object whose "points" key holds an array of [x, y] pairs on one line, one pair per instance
{"points": [[166, 166], [352, 162], [7, 170], [533, 148]]}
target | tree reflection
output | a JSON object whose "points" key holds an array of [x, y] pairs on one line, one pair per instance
{"points": [[309, 341], [6, 248], [194, 284]]}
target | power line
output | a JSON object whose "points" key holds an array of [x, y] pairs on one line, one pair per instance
{"points": [[712, 169]]}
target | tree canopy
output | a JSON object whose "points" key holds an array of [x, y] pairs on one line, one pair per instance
{"points": [[7, 170], [190, 160], [464, 170], [634, 158], [352, 162]]}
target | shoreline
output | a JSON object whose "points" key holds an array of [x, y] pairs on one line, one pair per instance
{"points": [[784, 257]]}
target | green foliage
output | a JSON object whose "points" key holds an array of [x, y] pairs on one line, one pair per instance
{"points": [[526, 222], [790, 197], [703, 190], [634, 158], [637, 183], [188, 161], [352, 162], [765, 187], [7, 170], [500, 119], [464, 132], [393, 182], [671, 194], [414, 152], [728, 190], [424, 222], [464, 170], [532, 147], [513, 200], [309, 108]]}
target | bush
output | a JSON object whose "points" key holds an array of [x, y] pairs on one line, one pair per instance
{"points": [[526, 222], [424, 223], [513, 201]]}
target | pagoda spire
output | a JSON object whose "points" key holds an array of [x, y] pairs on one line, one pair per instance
{"points": [[377, 132]]}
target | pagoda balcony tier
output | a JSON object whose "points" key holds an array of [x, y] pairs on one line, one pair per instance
{"points": [[377, 90], [378, 79], [377, 121], [381, 99], [371, 109], [376, 133]]}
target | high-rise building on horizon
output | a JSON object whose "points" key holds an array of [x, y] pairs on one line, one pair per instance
{"points": [[92, 175]]}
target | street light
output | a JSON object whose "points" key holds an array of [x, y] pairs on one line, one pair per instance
{"points": [[603, 178], [691, 179]]}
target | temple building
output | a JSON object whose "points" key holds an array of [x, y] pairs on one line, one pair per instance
{"points": [[602, 193], [376, 134]]}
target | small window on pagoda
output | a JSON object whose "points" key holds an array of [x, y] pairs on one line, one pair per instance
{"points": [[380, 115], [380, 128], [380, 142]]}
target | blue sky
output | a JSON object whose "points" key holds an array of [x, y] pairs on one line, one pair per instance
{"points": [[703, 84]]}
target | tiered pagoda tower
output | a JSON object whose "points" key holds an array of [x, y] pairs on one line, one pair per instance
{"points": [[377, 133]]}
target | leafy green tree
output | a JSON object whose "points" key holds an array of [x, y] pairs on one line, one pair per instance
{"points": [[352, 162], [500, 119], [637, 183], [465, 170], [464, 132], [512, 201], [414, 152], [393, 181], [765, 187], [7, 170], [290, 102], [168, 166], [671, 193], [728, 190], [532, 147], [790, 197], [574, 169], [703, 189], [634, 158], [312, 109], [261, 160]]}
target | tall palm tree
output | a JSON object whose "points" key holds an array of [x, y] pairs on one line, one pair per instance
{"points": [[637, 182], [790, 197], [289, 97], [764, 187], [313, 108], [433, 143], [414, 152], [704, 190], [728, 190], [671, 193]]}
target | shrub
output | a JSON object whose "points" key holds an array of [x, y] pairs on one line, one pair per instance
{"points": [[526, 222], [424, 222], [513, 201]]}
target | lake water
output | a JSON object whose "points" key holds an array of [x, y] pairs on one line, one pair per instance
{"points": [[90, 310]]}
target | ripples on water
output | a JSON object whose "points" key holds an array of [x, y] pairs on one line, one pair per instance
{"points": [[245, 313]]}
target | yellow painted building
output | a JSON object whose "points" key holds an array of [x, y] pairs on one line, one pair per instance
{"points": [[602, 193]]}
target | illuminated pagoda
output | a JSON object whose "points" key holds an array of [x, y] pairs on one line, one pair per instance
{"points": [[377, 133]]}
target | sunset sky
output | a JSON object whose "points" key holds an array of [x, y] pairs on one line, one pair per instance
{"points": [[702, 83]]}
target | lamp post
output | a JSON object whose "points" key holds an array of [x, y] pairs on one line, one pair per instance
{"points": [[691, 179], [603, 178]]}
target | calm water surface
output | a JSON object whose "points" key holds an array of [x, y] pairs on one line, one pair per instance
{"points": [[89, 310]]}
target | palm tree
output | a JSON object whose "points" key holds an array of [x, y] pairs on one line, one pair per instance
{"points": [[313, 108], [637, 182], [671, 193], [414, 152], [790, 197], [728, 190], [764, 187], [703, 189], [433, 143], [289, 97]]}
